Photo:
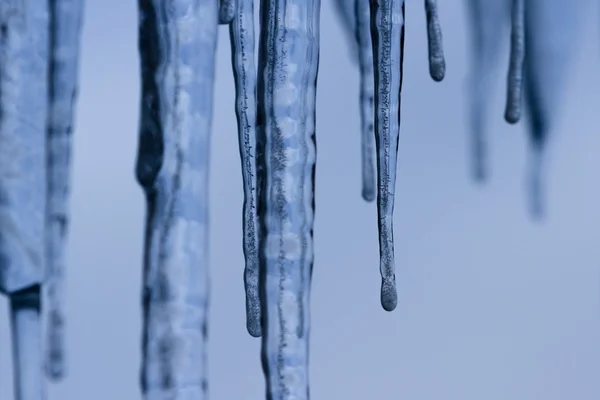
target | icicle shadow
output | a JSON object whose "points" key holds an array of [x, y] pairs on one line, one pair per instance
{"points": [[287, 76], [177, 42]]}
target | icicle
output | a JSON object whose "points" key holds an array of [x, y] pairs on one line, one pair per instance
{"points": [[177, 42], [345, 10], [23, 111], [25, 307], [65, 30], [517, 57], [387, 19], [367, 92], [241, 33], [551, 37], [488, 20], [288, 66], [437, 63], [226, 11]]}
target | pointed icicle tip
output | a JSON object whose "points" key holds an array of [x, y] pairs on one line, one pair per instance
{"points": [[537, 201]]}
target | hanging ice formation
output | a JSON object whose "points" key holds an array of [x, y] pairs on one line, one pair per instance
{"points": [[65, 32], [379, 33], [177, 42], [542, 35], [24, 38]]}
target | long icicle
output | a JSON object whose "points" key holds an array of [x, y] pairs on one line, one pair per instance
{"points": [[387, 25], [288, 68], [488, 18], [437, 62], [367, 93], [241, 33], [24, 58], [65, 30], [226, 11], [25, 310], [177, 42], [517, 58]]}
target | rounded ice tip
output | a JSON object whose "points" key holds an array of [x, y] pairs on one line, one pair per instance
{"points": [[368, 195], [389, 294], [437, 70], [253, 327], [512, 115]]}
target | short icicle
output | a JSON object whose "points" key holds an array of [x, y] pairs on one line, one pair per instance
{"points": [[24, 60], [288, 66], [345, 10], [25, 310], [387, 25], [177, 43], [437, 62], [65, 31], [488, 20], [367, 93], [517, 58], [241, 33], [226, 11]]}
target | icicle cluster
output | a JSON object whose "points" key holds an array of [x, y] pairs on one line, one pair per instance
{"points": [[275, 109], [39, 46]]}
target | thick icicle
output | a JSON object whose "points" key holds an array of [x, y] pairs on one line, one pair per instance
{"points": [[288, 67], [387, 25], [25, 307], [65, 30], [488, 20], [437, 63], [241, 33], [226, 11], [550, 32], [367, 92], [24, 38], [345, 10], [517, 57], [177, 42]]}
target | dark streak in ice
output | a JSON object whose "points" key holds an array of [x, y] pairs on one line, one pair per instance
{"points": [[387, 26], [241, 33], [437, 63], [517, 57]]}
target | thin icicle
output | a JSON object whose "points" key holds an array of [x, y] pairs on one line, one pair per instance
{"points": [[288, 66], [25, 318], [517, 58], [437, 63], [367, 93], [488, 20], [65, 31], [241, 33], [226, 11], [177, 42], [387, 25], [24, 28]]}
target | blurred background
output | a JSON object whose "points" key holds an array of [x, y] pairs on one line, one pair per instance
{"points": [[491, 305]]}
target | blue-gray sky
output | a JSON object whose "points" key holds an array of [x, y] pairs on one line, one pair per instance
{"points": [[491, 305]]}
